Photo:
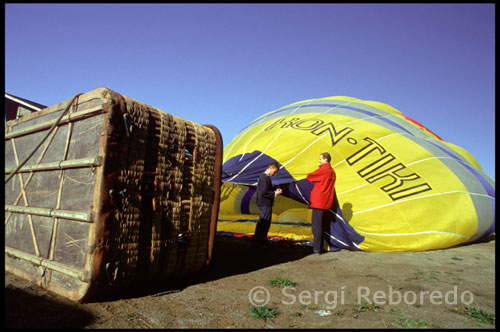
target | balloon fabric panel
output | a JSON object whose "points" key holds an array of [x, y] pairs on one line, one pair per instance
{"points": [[400, 187]]}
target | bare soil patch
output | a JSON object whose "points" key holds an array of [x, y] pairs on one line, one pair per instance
{"points": [[449, 288]]}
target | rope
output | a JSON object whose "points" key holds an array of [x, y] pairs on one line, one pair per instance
{"points": [[43, 140]]}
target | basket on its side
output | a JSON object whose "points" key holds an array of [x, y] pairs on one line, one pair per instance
{"points": [[117, 193]]}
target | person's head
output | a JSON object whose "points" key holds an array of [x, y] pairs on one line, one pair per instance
{"points": [[272, 169], [324, 158]]}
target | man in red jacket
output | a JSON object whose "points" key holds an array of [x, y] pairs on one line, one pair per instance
{"points": [[322, 196]]}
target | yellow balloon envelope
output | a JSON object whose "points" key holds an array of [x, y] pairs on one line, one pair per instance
{"points": [[399, 186]]}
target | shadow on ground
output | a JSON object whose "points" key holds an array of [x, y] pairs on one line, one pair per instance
{"points": [[231, 256], [27, 309], [236, 256]]}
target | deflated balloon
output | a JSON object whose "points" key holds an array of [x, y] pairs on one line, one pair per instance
{"points": [[399, 187]]}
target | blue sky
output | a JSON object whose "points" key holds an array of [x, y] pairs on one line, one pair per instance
{"points": [[227, 64]]}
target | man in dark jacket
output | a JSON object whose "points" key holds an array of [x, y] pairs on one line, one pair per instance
{"points": [[265, 200], [322, 196]]}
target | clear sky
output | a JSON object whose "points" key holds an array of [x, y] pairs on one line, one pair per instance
{"points": [[227, 64]]}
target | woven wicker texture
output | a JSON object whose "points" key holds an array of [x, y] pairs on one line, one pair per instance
{"points": [[168, 180]]}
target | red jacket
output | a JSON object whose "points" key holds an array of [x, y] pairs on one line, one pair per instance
{"points": [[324, 187]]}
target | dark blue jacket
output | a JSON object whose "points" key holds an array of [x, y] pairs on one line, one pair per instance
{"points": [[265, 190]]}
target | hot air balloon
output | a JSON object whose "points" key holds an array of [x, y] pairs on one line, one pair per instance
{"points": [[399, 187]]}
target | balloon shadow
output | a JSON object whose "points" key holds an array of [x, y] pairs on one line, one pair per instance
{"points": [[347, 211]]}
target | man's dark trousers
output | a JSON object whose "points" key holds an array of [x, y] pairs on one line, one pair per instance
{"points": [[263, 224], [319, 223]]}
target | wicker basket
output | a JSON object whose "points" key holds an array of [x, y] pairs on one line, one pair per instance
{"points": [[117, 193]]}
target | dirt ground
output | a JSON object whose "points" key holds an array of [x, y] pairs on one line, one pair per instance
{"points": [[451, 288]]}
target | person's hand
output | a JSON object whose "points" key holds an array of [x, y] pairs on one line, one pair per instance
{"points": [[279, 191]]}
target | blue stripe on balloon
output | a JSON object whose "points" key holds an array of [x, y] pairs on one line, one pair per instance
{"points": [[245, 201], [273, 114]]}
